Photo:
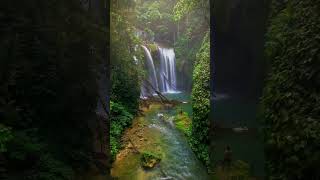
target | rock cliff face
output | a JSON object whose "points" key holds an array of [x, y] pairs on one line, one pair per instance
{"points": [[237, 56], [99, 9], [237, 64], [239, 31]]}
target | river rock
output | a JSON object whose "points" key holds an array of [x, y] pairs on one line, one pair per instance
{"points": [[240, 129], [149, 160]]}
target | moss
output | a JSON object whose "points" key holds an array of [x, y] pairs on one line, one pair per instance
{"points": [[183, 123], [201, 102], [149, 159], [153, 47]]}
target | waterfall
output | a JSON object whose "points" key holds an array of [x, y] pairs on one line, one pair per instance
{"points": [[152, 76], [167, 71]]}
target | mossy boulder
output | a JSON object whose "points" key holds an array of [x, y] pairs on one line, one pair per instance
{"points": [[149, 160], [153, 47]]}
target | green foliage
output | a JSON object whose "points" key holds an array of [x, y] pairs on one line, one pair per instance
{"points": [[30, 159], [120, 119], [200, 149], [291, 97], [50, 51], [122, 5], [192, 27], [151, 13], [5, 137], [125, 73], [201, 101], [183, 7], [52, 169], [156, 19], [153, 47]]}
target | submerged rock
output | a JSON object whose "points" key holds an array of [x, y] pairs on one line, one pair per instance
{"points": [[240, 129]]}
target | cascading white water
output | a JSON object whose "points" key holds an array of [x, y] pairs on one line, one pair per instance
{"points": [[167, 73], [152, 76], [135, 59]]}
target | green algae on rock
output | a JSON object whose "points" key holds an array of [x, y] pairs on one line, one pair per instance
{"points": [[149, 160]]}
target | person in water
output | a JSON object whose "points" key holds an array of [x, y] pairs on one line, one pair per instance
{"points": [[227, 157]]}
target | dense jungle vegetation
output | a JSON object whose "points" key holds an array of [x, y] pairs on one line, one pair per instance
{"points": [[125, 90], [201, 102], [291, 96], [50, 53]]}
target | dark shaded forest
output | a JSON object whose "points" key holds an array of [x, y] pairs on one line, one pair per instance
{"points": [[53, 54], [290, 101]]}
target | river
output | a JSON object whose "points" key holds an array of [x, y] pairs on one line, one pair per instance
{"points": [[150, 133]]}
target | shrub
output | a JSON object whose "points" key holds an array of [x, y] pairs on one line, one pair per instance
{"points": [[120, 119]]}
